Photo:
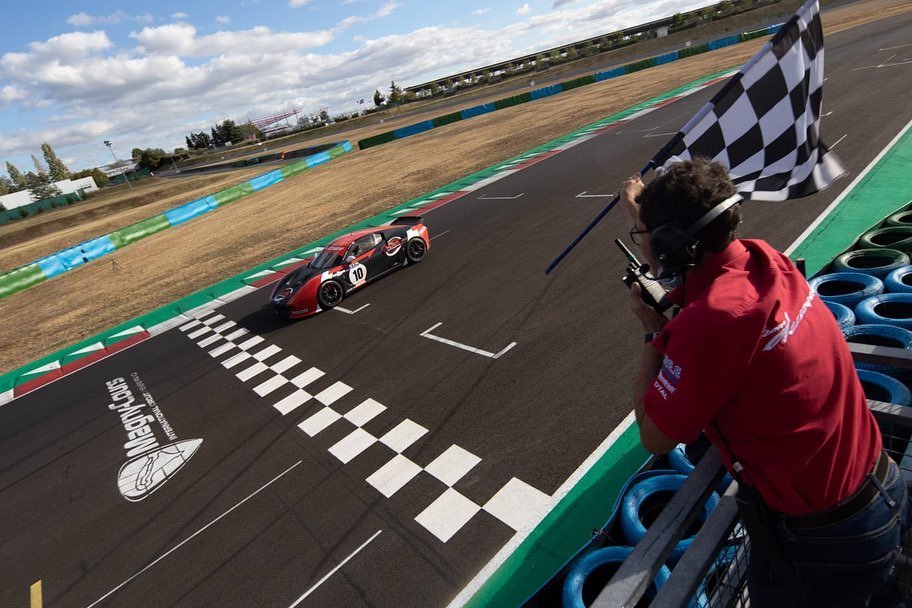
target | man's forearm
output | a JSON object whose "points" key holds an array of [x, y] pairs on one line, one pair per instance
{"points": [[650, 364]]}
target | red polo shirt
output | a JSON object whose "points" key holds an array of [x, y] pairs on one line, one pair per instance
{"points": [[755, 350]]}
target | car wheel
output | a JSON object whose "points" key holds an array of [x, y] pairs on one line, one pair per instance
{"points": [[415, 250], [329, 294]]}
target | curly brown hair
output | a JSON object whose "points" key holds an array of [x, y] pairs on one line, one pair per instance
{"points": [[684, 193]]}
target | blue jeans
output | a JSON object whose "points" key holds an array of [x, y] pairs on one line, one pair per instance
{"points": [[847, 564]]}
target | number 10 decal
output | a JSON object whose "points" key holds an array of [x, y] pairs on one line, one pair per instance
{"points": [[357, 274]]}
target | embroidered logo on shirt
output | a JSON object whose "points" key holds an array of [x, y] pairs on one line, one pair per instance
{"points": [[779, 334], [669, 376]]}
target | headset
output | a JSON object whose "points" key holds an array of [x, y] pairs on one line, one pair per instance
{"points": [[677, 248]]}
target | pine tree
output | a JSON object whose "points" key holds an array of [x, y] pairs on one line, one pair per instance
{"points": [[56, 169], [41, 185], [16, 176]]}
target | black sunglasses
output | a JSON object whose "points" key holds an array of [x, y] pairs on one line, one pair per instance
{"points": [[633, 235]]}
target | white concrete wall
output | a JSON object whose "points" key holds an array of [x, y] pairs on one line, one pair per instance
{"points": [[66, 186]]}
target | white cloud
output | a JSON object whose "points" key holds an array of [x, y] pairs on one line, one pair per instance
{"points": [[223, 19], [179, 15], [560, 3], [180, 39], [480, 11], [297, 3], [387, 9], [83, 19], [524, 9]]}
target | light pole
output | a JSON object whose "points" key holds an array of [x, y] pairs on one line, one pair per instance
{"points": [[108, 144]]}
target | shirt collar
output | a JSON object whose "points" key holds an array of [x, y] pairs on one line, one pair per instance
{"points": [[705, 272]]}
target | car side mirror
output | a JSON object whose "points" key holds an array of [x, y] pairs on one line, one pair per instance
{"points": [[350, 260]]}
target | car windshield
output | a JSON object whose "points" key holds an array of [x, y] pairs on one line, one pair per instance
{"points": [[329, 257]]}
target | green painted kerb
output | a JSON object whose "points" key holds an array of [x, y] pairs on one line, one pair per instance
{"points": [[566, 528], [885, 189]]}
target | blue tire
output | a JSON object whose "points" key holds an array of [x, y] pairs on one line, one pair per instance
{"points": [[844, 315], [899, 281], [892, 237], [902, 218], [887, 309], [877, 334], [846, 288], [589, 563], [877, 261], [881, 387], [651, 488], [680, 462]]}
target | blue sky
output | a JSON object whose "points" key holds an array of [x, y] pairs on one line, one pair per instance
{"points": [[146, 74]]}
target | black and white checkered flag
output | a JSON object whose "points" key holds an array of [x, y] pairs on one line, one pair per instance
{"points": [[764, 124]]}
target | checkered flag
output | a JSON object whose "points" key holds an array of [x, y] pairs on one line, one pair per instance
{"points": [[764, 124]]}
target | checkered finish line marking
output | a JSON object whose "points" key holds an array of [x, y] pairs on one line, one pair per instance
{"points": [[287, 383]]}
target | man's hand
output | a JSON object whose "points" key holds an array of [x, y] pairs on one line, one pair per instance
{"points": [[628, 192], [651, 320]]}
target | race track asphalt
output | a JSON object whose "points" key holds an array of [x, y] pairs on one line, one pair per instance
{"points": [[407, 462]]}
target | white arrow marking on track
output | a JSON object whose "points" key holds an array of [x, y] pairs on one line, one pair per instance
{"points": [[427, 334]]}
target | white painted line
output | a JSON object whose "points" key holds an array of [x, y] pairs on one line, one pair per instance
{"points": [[224, 326], [518, 505], [7, 396], [251, 342], [350, 312], [352, 444], [336, 569], [484, 197], [199, 332], [210, 340], [366, 411], [257, 275], [270, 385], [288, 262], [391, 477], [584, 194], [214, 319], [267, 352], [427, 334], [837, 141], [91, 348], [452, 465], [221, 350], [190, 325], [440, 234], [285, 364], [446, 515], [403, 435], [319, 421], [53, 365], [292, 402], [333, 393], [236, 334], [661, 134], [253, 370], [192, 536], [846, 192], [507, 550], [302, 380], [238, 358]]}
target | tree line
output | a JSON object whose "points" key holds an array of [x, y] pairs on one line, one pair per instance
{"points": [[223, 133]]}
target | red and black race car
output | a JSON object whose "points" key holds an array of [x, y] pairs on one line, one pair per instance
{"points": [[349, 263]]}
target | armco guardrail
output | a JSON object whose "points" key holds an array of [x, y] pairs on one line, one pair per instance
{"points": [[62, 261], [554, 89]]}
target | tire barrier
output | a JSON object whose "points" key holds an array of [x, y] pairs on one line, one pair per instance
{"points": [[844, 315], [899, 281], [902, 218], [877, 261], [554, 89], [846, 288], [881, 387], [644, 500], [877, 334], [892, 237], [595, 568], [680, 461], [62, 261], [888, 309]]}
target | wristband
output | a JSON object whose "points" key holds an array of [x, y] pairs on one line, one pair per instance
{"points": [[652, 336]]}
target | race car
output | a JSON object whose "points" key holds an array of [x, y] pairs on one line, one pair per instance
{"points": [[349, 263]]}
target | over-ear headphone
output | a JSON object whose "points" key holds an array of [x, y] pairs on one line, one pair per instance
{"points": [[676, 248]]}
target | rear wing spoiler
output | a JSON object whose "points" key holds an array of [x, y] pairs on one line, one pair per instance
{"points": [[407, 220]]}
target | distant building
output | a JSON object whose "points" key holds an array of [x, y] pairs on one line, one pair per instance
{"points": [[66, 186]]}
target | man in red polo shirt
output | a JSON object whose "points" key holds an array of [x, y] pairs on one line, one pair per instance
{"points": [[755, 359]]}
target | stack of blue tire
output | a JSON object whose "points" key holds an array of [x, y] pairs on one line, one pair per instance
{"points": [[869, 291]]}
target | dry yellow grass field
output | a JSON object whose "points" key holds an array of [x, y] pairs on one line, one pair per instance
{"points": [[262, 226]]}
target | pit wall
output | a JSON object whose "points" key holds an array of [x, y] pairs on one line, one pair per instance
{"points": [[554, 89], [72, 257]]}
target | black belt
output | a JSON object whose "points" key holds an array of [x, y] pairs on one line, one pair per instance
{"points": [[851, 505]]}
